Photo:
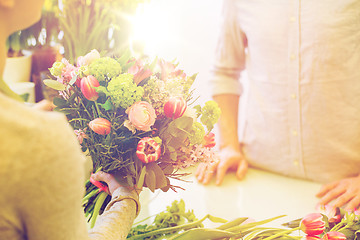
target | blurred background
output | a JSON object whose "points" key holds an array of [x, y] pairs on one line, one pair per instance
{"points": [[181, 30]]}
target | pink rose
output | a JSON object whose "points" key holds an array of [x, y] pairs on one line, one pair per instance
{"points": [[141, 115]]}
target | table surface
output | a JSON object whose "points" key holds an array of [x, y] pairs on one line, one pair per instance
{"points": [[259, 196]]}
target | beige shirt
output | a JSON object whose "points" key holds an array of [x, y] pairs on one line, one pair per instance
{"points": [[42, 181], [302, 114]]}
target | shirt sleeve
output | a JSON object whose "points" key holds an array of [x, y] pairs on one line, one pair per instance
{"points": [[230, 53], [117, 219]]}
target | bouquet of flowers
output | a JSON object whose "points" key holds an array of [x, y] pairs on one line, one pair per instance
{"points": [[133, 117]]}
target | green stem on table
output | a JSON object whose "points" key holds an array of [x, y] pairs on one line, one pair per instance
{"points": [[99, 202], [282, 233], [170, 229]]}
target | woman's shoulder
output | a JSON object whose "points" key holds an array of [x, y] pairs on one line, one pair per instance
{"points": [[35, 132]]}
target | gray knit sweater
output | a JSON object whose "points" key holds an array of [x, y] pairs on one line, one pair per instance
{"points": [[42, 181]]}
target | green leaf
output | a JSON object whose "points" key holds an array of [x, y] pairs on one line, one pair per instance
{"points": [[140, 183], [102, 89], [107, 105], [160, 179], [203, 234], [60, 102], [54, 84], [193, 77], [150, 179]]}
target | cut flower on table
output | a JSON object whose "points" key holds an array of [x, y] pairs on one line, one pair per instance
{"points": [[176, 223], [135, 118]]}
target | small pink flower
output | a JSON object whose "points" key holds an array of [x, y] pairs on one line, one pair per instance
{"points": [[68, 72], [334, 236], [87, 85], [209, 140], [168, 70], [139, 72], [80, 135], [148, 150], [312, 224], [88, 58], [141, 115], [331, 212], [101, 126], [175, 107]]}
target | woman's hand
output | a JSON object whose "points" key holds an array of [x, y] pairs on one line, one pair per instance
{"points": [[44, 105], [108, 179], [231, 159]]}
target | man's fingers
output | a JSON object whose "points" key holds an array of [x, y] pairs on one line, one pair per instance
{"points": [[353, 204], [331, 195], [242, 170], [342, 200], [326, 188]]}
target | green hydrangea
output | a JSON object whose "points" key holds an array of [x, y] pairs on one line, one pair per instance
{"points": [[105, 68], [210, 114], [197, 133], [123, 91]]}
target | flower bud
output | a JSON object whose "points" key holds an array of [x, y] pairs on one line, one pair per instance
{"points": [[101, 126], [312, 224], [148, 150], [175, 107], [209, 140], [56, 69], [334, 236], [87, 85]]}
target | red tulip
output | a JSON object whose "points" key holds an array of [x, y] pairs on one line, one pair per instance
{"points": [[175, 107], [308, 237], [87, 85], [312, 224], [148, 150], [101, 126], [209, 140], [334, 236]]}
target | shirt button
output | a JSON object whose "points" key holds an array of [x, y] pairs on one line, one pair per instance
{"points": [[296, 162], [292, 56], [293, 96], [295, 133], [292, 19]]}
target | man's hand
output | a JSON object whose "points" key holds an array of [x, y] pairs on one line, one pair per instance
{"points": [[344, 193], [231, 159]]}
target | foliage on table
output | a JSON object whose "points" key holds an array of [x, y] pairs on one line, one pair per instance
{"points": [[135, 120], [176, 223]]}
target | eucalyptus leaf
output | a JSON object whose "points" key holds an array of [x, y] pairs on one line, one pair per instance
{"points": [[54, 84], [150, 179], [160, 179]]}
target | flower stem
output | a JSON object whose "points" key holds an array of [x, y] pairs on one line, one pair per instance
{"points": [[282, 233], [99, 202]]}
